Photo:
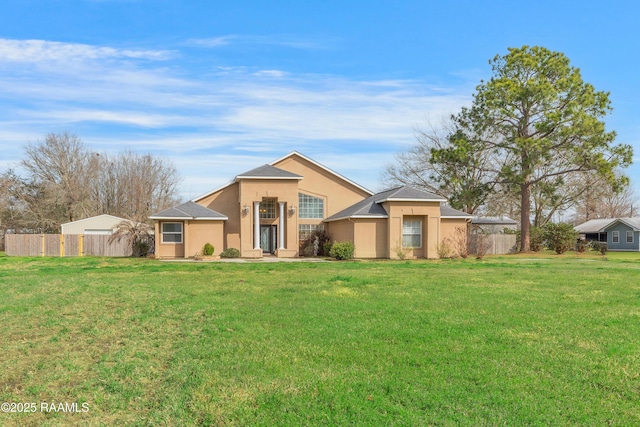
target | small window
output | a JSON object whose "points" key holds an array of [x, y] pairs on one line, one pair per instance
{"points": [[615, 237], [268, 208], [629, 236], [171, 232], [412, 234]]}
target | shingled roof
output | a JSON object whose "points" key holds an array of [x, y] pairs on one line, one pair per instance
{"points": [[449, 212], [268, 171], [371, 207], [189, 210]]}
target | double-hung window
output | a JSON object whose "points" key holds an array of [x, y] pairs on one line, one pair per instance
{"points": [[629, 236], [615, 237], [411, 233], [171, 232]]}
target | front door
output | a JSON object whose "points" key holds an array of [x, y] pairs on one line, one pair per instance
{"points": [[268, 235]]}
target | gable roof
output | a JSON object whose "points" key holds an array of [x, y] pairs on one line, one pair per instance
{"points": [[601, 225], [593, 225], [321, 166], [268, 172], [408, 194], [371, 207], [103, 216], [633, 223], [189, 210]]}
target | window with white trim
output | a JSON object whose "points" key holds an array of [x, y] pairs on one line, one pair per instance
{"points": [[171, 232], [310, 207], [629, 236], [615, 237], [411, 233]]}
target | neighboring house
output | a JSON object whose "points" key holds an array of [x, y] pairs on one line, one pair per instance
{"points": [[621, 234], [101, 224], [272, 208], [592, 230], [492, 224]]}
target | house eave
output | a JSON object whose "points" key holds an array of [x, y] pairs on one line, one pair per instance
{"points": [[391, 199], [182, 218], [268, 177], [357, 217], [187, 218]]}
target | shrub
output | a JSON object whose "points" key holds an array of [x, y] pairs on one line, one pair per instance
{"points": [[482, 245], [536, 239], [327, 248], [141, 248], [560, 237], [401, 252], [342, 250], [582, 246], [599, 246], [309, 248], [230, 253], [208, 249], [444, 250], [461, 241], [138, 235]]}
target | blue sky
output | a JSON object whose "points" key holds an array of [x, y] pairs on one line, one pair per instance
{"points": [[220, 87]]}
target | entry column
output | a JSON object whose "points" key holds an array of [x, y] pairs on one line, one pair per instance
{"points": [[281, 225], [256, 225]]}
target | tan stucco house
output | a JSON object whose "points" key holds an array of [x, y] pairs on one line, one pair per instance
{"points": [[270, 209]]}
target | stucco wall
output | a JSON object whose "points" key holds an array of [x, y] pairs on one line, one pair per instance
{"points": [[370, 238], [341, 231], [428, 213], [201, 232], [338, 193], [227, 202], [168, 250], [449, 232]]}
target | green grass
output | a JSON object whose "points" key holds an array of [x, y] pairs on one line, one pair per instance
{"points": [[512, 340]]}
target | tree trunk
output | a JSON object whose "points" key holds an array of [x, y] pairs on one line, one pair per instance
{"points": [[525, 213]]}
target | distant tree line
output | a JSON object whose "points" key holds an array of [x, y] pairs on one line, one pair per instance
{"points": [[64, 181]]}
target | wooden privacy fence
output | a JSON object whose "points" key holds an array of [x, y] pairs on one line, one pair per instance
{"points": [[493, 244], [64, 245]]}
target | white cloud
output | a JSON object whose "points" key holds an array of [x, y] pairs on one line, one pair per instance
{"points": [[114, 102], [288, 41], [211, 42], [34, 51]]}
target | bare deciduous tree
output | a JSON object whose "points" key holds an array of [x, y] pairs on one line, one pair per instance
{"points": [[134, 186], [465, 188], [599, 200], [59, 166], [66, 182]]}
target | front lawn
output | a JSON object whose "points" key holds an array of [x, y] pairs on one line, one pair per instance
{"points": [[513, 340]]}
